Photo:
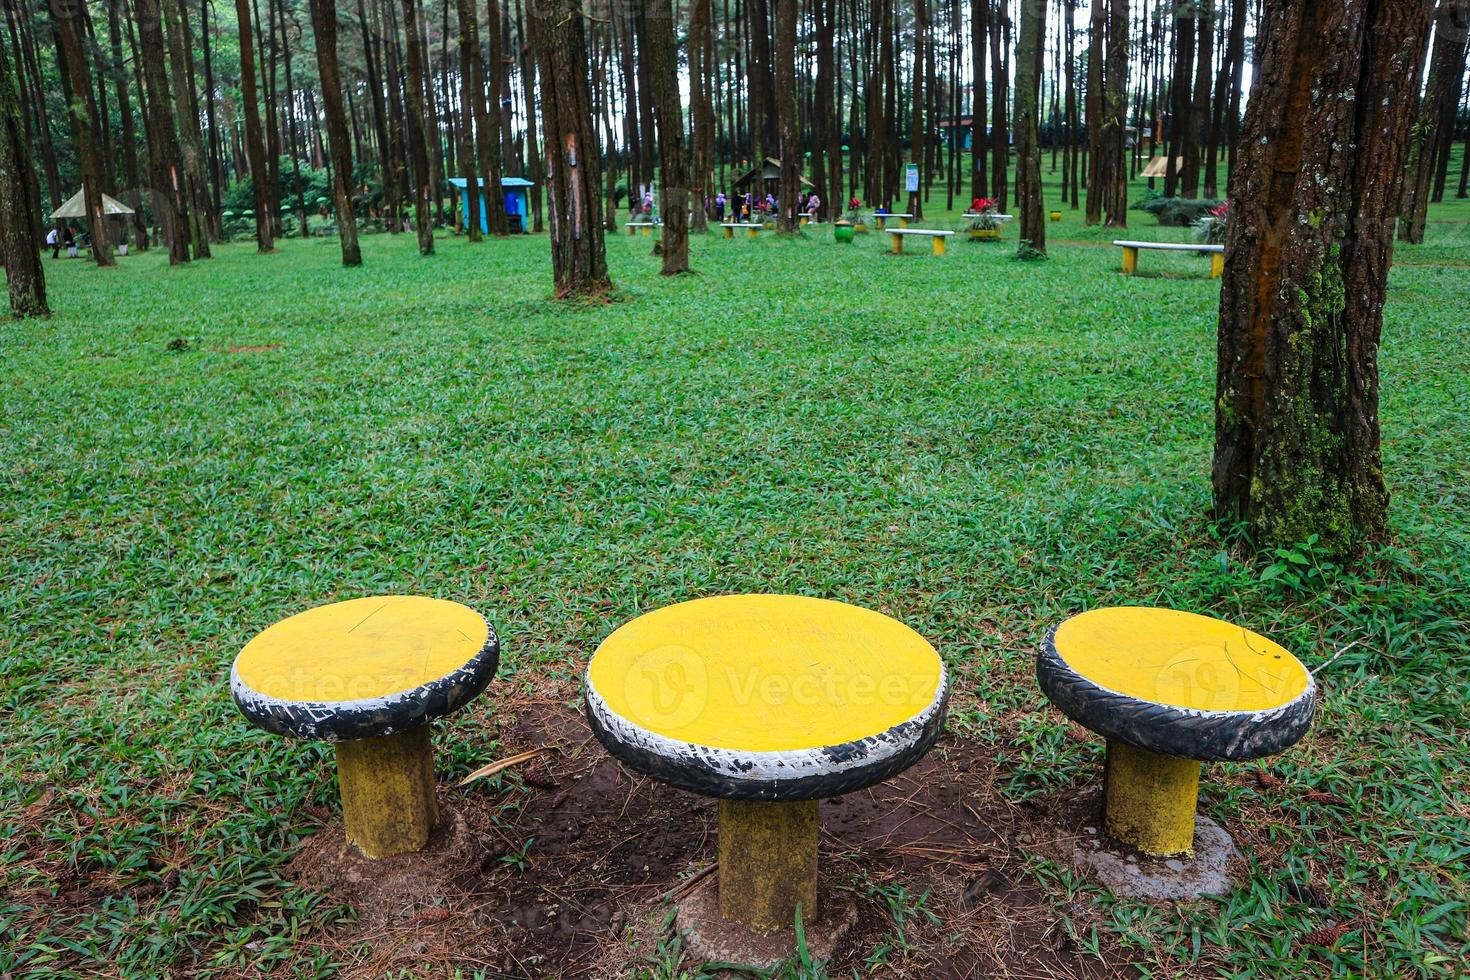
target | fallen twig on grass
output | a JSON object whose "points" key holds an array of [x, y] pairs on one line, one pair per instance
{"points": [[504, 764]]}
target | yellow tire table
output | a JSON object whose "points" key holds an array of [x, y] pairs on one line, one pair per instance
{"points": [[770, 703], [369, 675], [1168, 690]]}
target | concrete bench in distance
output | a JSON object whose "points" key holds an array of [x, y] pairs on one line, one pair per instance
{"points": [[1131, 249], [752, 228], [898, 234], [647, 227], [769, 703], [1169, 690], [881, 220], [369, 675]]}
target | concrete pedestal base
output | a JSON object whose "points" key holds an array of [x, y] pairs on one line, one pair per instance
{"points": [[710, 937], [1183, 878]]}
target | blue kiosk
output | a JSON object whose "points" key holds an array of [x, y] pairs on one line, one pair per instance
{"points": [[517, 204]]}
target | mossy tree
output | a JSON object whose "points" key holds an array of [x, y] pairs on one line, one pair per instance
{"points": [[1312, 206], [20, 227]]}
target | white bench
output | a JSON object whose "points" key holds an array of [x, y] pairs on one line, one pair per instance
{"points": [[647, 227], [898, 234], [997, 217], [753, 228], [1131, 249]]}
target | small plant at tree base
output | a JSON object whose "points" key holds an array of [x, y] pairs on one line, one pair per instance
{"points": [[1026, 252], [1210, 228]]}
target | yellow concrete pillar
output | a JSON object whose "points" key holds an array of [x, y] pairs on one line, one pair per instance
{"points": [[881, 222], [753, 231], [768, 863], [1149, 800], [897, 244], [632, 230], [387, 786], [729, 232], [903, 222], [1217, 265], [647, 232], [938, 244], [1130, 261]]}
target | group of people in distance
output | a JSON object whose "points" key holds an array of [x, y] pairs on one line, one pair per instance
{"points": [[739, 207], [59, 238]]}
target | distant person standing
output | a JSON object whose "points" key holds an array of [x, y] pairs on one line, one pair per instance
{"points": [[69, 240], [720, 206], [53, 242], [813, 206]]}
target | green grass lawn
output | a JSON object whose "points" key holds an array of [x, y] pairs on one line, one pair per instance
{"points": [[977, 445]]}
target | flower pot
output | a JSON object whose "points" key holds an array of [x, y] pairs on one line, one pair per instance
{"points": [[984, 234], [860, 228], [1056, 216], [843, 232]]}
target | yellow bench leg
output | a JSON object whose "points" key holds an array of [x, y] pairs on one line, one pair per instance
{"points": [[1130, 261], [881, 223], [729, 232], [1217, 264], [903, 222], [938, 244], [387, 787], [632, 230], [897, 246], [768, 863], [1149, 800], [647, 232], [752, 232]]}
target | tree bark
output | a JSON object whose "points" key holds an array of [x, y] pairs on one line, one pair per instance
{"points": [[1113, 167], [1000, 144], [701, 55], [979, 18], [84, 125], [170, 202], [487, 127], [790, 144], [414, 118], [191, 142], [324, 26], [1310, 243], [20, 229], [1441, 93], [663, 67], [254, 140], [1094, 99], [578, 254], [922, 50], [1028, 146], [1181, 129]]}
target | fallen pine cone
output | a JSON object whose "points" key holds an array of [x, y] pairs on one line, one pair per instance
{"points": [[436, 914], [1327, 935], [1327, 799], [1265, 779]]}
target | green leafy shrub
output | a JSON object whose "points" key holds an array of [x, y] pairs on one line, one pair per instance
{"points": [[1179, 212]]}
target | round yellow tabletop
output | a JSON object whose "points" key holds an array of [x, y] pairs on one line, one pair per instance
{"points": [[353, 668], [1177, 682], [768, 689]]}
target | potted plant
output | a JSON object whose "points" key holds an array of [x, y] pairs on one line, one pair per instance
{"points": [[981, 221], [1210, 227], [1056, 216]]}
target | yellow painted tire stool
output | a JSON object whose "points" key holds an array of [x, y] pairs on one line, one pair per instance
{"points": [[1169, 690], [769, 703], [369, 675]]}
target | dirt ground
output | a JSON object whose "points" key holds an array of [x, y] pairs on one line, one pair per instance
{"points": [[611, 850]]}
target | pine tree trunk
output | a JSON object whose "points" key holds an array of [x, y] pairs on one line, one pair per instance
{"points": [[785, 95], [324, 26], [1181, 128], [663, 67], [20, 231], [1113, 168], [1309, 247], [1028, 146], [191, 144], [1094, 99], [1000, 144], [170, 202], [487, 127], [922, 50], [84, 126], [418, 152], [132, 194], [528, 92], [701, 53], [578, 255], [978, 20], [1441, 93], [254, 139]]}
